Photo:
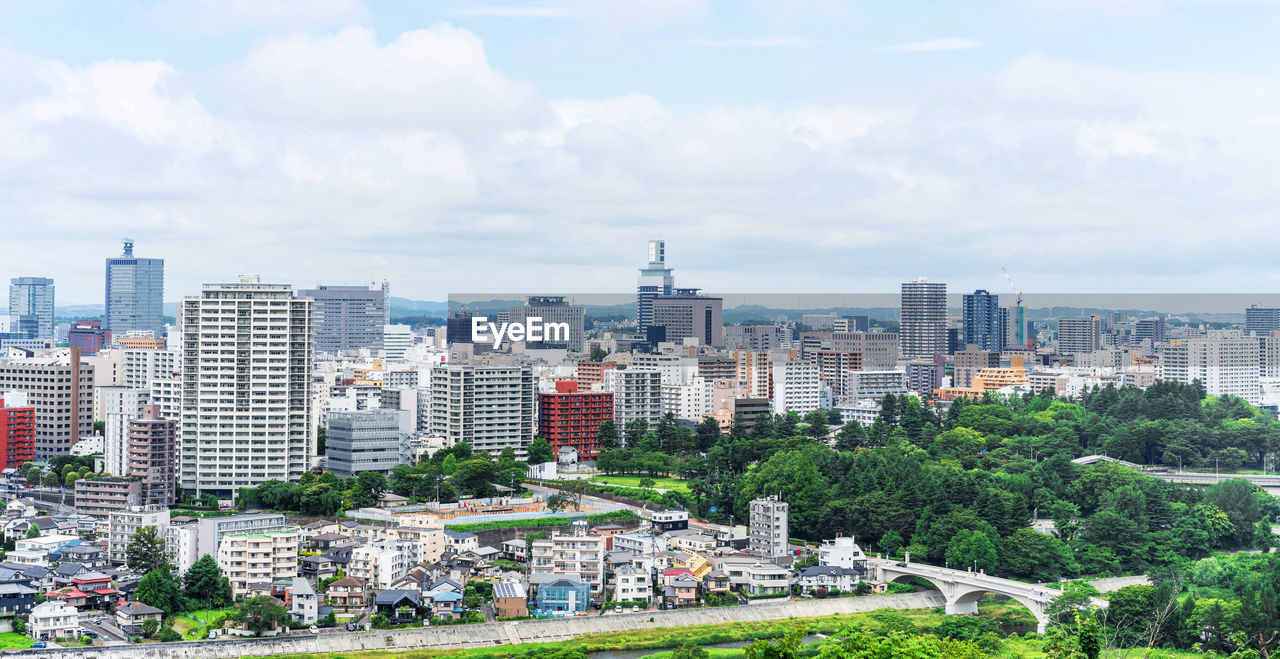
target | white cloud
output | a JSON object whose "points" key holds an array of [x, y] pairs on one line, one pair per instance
{"points": [[343, 158], [433, 78], [512, 11], [213, 16], [781, 41], [932, 46]]}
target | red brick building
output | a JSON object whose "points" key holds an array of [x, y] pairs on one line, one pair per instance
{"points": [[17, 435], [572, 418]]}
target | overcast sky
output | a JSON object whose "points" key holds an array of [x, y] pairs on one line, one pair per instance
{"points": [[817, 146]]}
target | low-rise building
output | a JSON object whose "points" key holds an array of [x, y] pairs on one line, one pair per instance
{"points": [[382, 563], [631, 584], [133, 615], [53, 620], [347, 595], [304, 606], [828, 578], [563, 596], [579, 556], [510, 599]]}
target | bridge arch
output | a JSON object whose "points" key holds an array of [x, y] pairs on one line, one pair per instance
{"points": [[966, 602]]}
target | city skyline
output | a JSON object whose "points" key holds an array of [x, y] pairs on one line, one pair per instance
{"points": [[833, 146]]}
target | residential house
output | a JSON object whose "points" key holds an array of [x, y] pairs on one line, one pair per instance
{"points": [[631, 584], [641, 543], [53, 620], [399, 605], [304, 606], [36, 576], [131, 616], [347, 595], [16, 598], [445, 604], [563, 596], [323, 542], [682, 591], [510, 600], [431, 541], [461, 541], [767, 579], [88, 555], [316, 568], [717, 581], [827, 577], [515, 550], [691, 541]]}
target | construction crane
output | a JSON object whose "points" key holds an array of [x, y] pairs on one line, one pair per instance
{"points": [[1022, 325]]}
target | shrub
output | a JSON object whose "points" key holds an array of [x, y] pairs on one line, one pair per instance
{"points": [[168, 635]]}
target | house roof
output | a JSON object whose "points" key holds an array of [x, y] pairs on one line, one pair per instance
{"points": [[316, 559], [459, 535], [685, 582], [16, 589], [445, 596], [328, 537], [68, 569], [348, 582], [139, 609], [507, 589], [564, 583], [395, 597]]}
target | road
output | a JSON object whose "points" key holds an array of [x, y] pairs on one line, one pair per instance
{"points": [[107, 631]]}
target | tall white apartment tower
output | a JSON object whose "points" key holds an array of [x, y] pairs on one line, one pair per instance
{"points": [[769, 528], [923, 328], [247, 356], [1224, 362], [489, 406]]}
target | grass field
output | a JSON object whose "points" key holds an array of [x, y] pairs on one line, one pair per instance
{"points": [[192, 624], [11, 640], [674, 484]]}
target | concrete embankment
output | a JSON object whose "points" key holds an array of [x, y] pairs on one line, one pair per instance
{"points": [[492, 634]]}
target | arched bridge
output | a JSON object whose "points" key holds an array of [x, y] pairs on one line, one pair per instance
{"points": [[963, 589]]}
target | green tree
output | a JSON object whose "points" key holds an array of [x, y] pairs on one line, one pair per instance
{"points": [[51, 479], [205, 583], [689, 650], [33, 531], [969, 549], [607, 435], [159, 589], [634, 431], [540, 452], [891, 542], [149, 627], [708, 434], [260, 614], [1029, 554], [145, 551], [450, 465], [1263, 537], [597, 353]]}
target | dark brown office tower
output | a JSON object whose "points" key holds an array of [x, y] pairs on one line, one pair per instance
{"points": [[152, 460]]}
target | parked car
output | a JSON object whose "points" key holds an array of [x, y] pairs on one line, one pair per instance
{"points": [[313, 629], [617, 609], [351, 626], [213, 634], [635, 609], [39, 644]]}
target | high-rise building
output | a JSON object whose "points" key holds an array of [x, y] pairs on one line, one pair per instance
{"points": [[833, 365], [1153, 329], [879, 350], [655, 279], [31, 307], [366, 440], [572, 418], [152, 455], [552, 309], [489, 406], [1260, 321], [796, 386], [17, 430], [62, 395], [120, 406], [1077, 335], [981, 320], [969, 361], [1224, 363], [396, 341], [686, 314], [135, 293], [246, 386], [769, 528], [852, 324], [348, 318], [88, 336], [458, 328], [757, 337], [637, 394], [923, 325]]}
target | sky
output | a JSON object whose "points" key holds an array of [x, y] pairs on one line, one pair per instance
{"points": [[810, 146]]}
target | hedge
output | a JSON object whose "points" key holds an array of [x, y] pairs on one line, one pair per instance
{"points": [[543, 522]]}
